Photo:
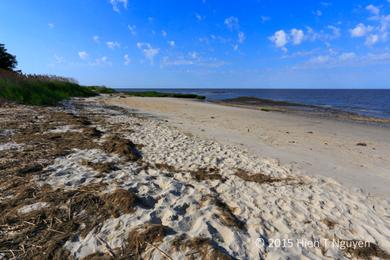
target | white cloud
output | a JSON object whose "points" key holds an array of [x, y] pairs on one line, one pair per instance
{"points": [[148, 51], [83, 55], [232, 23], [279, 39], [297, 36], [346, 56], [372, 39], [360, 30], [164, 33], [132, 29], [373, 9], [171, 43], [113, 45], [116, 3], [241, 37], [96, 38], [51, 25], [126, 59]]}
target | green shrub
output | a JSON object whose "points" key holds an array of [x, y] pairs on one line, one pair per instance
{"points": [[39, 89]]}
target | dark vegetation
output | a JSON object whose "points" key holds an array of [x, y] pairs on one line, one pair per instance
{"points": [[162, 94], [102, 89], [38, 89], [7, 60]]}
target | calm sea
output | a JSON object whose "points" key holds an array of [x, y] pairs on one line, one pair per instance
{"points": [[374, 103]]}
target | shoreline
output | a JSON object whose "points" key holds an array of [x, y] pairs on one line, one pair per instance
{"points": [[357, 154], [269, 105]]}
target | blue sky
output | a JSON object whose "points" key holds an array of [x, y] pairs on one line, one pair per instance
{"points": [[203, 43]]}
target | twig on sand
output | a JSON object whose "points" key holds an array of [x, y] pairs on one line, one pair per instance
{"points": [[161, 251], [106, 245]]}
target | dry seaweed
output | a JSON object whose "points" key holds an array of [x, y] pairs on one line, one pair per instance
{"points": [[122, 147], [263, 178], [368, 251], [203, 174], [200, 248]]}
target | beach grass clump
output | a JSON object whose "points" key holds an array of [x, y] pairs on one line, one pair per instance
{"points": [[163, 94], [39, 89]]}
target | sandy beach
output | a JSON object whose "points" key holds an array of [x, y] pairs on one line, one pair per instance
{"points": [[112, 177], [355, 154]]}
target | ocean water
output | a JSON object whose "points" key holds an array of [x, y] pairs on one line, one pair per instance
{"points": [[375, 103]]}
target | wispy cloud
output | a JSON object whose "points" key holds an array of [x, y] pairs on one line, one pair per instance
{"points": [[58, 59], [51, 25], [317, 13], [126, 59], [232, 23], [264, 19], [192, 59], [83, 55], [113, 45], [241, 37], [199, 17], [132, 29], [96, 38], [117, 3], [172, 44], [373, 9], [360, 30], [101, 61], [149, 52]]}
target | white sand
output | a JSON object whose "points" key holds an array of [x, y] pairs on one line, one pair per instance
{"points": [[295, 211], [312, 146]]}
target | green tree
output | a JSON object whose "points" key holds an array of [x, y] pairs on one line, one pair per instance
{"points": [[7, 61]]}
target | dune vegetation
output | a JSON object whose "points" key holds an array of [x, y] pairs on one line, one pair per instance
{"points": [[39, 89]]}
